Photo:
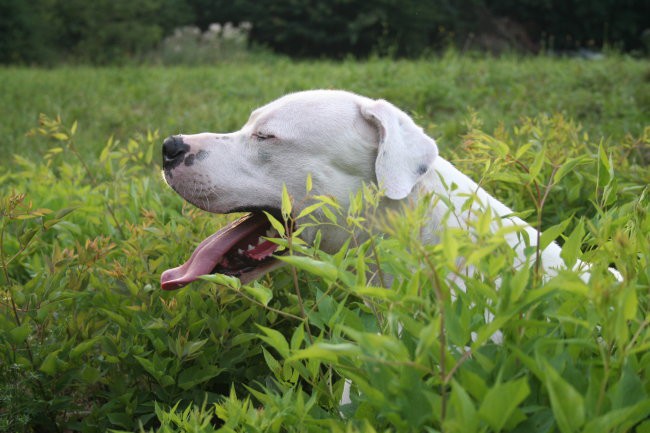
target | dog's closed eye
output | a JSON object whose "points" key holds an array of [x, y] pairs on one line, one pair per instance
{"points": [[260, 136]]}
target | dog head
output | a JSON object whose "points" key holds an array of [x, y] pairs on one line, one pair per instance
{"points": [[338, 138]]}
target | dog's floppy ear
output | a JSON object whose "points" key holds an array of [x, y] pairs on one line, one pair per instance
{"points": [[404, 153]]}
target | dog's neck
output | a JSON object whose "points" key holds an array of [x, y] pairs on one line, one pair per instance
{"points": [[451, 190]]}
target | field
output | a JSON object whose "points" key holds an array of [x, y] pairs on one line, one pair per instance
{"points": [[88, 341]]}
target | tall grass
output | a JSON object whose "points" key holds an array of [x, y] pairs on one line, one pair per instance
{"points": [[88, 342], [609, 98]]}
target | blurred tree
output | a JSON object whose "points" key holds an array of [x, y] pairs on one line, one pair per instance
{"points": [[336, 28], [206, 12], [110, 31], [572, 24], [100, 32], [28, 31]]}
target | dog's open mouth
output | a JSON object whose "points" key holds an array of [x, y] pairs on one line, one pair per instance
{"points": [[239, 250]]}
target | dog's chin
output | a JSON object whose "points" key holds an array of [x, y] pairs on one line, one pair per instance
{"points": [[241, 249]]}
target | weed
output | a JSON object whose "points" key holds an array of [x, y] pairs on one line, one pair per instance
{"points": [[88, 342]]}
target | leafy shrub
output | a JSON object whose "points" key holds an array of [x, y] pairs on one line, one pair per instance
{"points": [[101, 32], [88, 342], [190, 46], [570, 25], [304, 28], [24, 37]]}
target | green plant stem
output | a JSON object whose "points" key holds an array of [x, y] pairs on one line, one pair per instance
{"points": [[289, 227], [95, 184], [456, 366], [636, 335], [275, 310], [443, 338], [540, 209], [604, 383]]}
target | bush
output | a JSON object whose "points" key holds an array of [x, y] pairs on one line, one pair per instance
{"points": [[337, 29], [190, 46], [89, 342], [570, 25], [27, 32], [99, 32], [412, 28]]}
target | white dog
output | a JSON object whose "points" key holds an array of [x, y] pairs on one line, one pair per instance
{"points": [[342, 140]]}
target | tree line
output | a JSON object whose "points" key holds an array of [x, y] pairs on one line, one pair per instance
{"points": [[114, 31]]}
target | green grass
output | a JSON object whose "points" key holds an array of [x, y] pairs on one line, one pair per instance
{"points": [[610, 98], [88, 342]]}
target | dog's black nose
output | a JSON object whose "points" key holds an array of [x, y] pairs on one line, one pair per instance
{"points": [[173, 150]]}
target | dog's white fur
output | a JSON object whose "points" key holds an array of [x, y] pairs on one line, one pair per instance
{"points": [[342, 140]]}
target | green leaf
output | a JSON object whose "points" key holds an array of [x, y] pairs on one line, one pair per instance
{"points": [[518, 283], [605, 171], [328, 200], [277, 225], [501, 401], [26, 237], [450, 246], [192, 349], [19, 334], [326, 352], [260, 293], [222, 280], [621, 419], [90, 375], [59, 216], [322, 269], [507, 177], [158, 372], [298, 337], [569, 166], [464, 417], [117, 318], [286, 203], [195, 375], [552, 233], [571, 248], [630, 388], [83, 347], [50, 363], [310, 209], [377, 292], [567, 404], [566, 282], [329, 214], [275, 339], [147, 365], [271, 362], [536, 167], [523, 149], [458, 329], [630, 303]]}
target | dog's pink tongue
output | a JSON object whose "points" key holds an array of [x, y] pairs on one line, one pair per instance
{"points": [[210, 252]]}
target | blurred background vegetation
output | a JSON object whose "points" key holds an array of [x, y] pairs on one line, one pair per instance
{"points": [[51, 32]]}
